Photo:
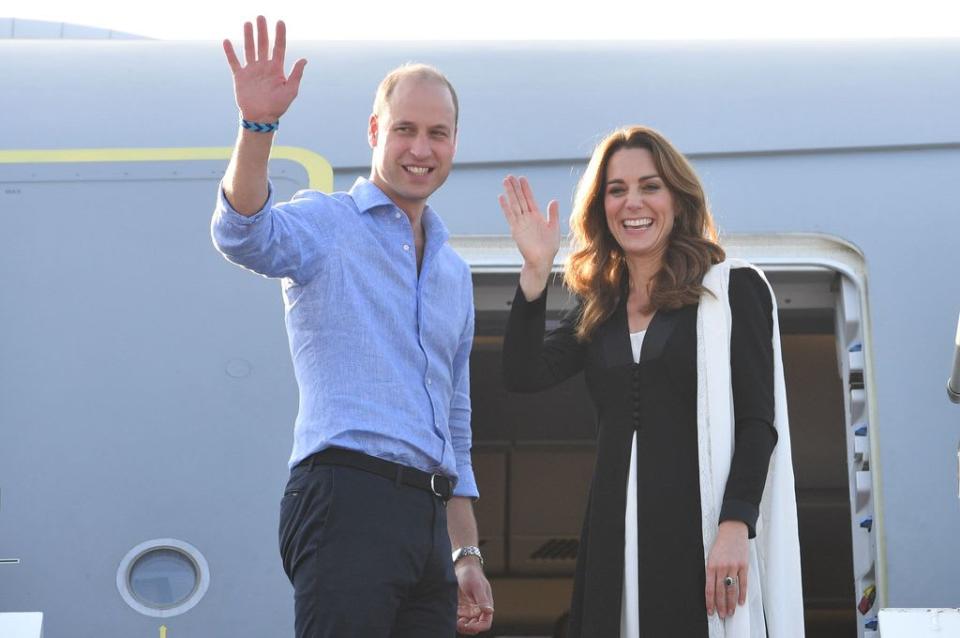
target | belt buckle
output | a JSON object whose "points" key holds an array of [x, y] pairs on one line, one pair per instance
{"points": [[433, 488]]}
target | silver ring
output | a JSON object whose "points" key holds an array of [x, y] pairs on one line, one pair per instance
{"points": [[729, 581]]}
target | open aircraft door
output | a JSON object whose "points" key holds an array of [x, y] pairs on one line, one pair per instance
{"points": [[533, 454]]}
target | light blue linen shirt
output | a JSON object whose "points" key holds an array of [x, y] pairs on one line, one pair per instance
{"points": [[381, 355]]}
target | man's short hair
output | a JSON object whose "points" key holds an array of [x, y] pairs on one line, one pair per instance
{"points": [[415, 71]]}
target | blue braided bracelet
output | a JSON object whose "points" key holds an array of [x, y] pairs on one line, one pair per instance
{"points": [[260, 127]]}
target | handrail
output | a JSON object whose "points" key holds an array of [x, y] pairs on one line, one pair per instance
{"points": [[953, 383]]}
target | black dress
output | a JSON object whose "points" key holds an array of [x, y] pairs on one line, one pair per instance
{"points": [[657, 398]]}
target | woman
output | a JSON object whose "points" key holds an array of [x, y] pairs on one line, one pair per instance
{"points": [[681, 357]]}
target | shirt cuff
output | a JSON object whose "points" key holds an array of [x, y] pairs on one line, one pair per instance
{"points": [[530, 308], [747, 513], [466, 483], [230, 215]]}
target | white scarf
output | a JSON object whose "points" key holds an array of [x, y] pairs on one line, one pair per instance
{"points": [[774, 587]]}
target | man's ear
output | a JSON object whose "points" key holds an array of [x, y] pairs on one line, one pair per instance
{"points": [[373, 130]]}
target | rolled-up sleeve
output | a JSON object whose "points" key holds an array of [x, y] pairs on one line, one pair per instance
{"points": [[276, 241]]}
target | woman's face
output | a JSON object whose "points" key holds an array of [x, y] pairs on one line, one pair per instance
{"points": [[638, 204]]}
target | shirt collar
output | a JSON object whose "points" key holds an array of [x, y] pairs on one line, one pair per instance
{"points": [[368, 196]]}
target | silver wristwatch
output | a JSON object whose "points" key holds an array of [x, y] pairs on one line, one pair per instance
{"points": [[468, 550]]}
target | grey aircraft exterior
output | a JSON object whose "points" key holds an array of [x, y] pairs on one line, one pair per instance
{"points": [[146, 392]]}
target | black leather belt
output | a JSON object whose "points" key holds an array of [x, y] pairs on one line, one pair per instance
{"points": [[436, 484]]}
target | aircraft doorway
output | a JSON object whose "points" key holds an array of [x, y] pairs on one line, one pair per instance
{"points": [[533, 456]]}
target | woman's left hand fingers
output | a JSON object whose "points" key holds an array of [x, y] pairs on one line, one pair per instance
{"points": [[730, 595], [722, 594]]}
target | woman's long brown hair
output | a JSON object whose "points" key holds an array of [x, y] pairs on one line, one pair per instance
{"points": [[597, 269]]}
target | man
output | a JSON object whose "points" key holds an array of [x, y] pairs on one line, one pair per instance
{"points": [[379, 313]]}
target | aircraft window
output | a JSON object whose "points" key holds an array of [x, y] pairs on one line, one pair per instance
{"points": [[163, 577]]}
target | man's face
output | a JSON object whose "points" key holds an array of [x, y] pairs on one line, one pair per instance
{"points": [[413, 141]]}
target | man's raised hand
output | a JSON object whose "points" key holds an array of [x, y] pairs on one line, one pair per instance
{"points": [[262, 90]]}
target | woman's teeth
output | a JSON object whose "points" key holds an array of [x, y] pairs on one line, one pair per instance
{"points": [[646, 222]]}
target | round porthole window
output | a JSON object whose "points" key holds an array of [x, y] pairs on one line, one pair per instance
{"points": [[163, 577]]}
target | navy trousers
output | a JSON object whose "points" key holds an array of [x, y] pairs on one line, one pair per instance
{"points": [[367, 558]]}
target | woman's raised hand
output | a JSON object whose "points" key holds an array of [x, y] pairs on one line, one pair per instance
{"points": [[538, 238], [262, 90]]}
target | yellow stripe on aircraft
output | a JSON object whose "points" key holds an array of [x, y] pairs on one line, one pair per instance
{"points": [[319, 171]]}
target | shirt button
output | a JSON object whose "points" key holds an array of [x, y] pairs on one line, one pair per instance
{"points": [[429, 382], [406, 247], [397, 214]]}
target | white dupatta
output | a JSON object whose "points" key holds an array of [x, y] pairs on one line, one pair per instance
{"points": [[774, 590]]}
